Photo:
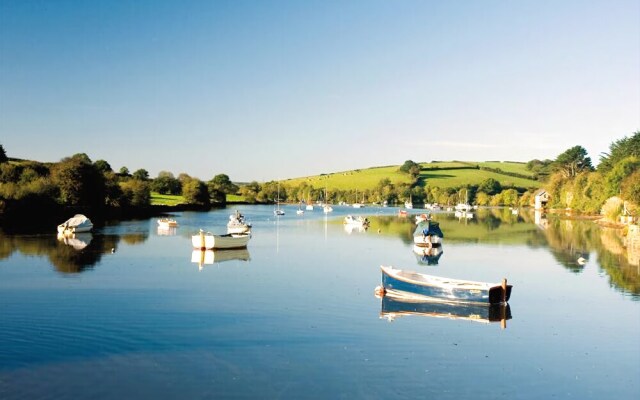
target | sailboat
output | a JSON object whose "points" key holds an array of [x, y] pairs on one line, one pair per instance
{"points": [[463, 210], [278, 211], [409, 203], [300, 211], [327, 207], [356, 204]]}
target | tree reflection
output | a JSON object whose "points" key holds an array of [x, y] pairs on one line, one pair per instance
{"points": [[66, 254], [571, 242]]}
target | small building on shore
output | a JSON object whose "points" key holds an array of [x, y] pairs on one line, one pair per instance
{"points": [[541, 198]]}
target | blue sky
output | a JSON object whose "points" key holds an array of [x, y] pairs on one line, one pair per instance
{"points": [[265, 90]]}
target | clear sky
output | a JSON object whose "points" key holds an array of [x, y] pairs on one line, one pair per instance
{"points": [[263, 90]]}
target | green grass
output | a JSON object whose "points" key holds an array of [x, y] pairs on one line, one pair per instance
{"points": [[513, 167], [357, 179], [158, 199], [459, 177], [443, 174]]}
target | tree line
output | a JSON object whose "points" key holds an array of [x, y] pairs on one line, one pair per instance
{"points": [[77, 181]]}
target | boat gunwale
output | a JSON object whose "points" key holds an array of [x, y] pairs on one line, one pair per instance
{"points": [[437, 280]]}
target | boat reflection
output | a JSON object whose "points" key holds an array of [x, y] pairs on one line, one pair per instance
{"points": [[167, 230], [351, 228], [76, 240], [427, 255], [203, 257], [394, 307]]}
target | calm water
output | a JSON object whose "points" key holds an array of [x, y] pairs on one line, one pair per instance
{"points": [[137, 314]]}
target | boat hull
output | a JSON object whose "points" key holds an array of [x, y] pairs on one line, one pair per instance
{"points": [[209, 241], [432, 288], [432, 240]]}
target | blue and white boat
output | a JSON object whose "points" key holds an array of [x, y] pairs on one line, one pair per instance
{"points": [[428, 233], [410, 284]]}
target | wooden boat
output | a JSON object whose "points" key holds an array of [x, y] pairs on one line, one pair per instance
{"points": [[208, 241], [415, 285], [79, 223], [394, 307], [167, 223]]}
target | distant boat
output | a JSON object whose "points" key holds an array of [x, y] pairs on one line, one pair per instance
{"points": [[356, 204], [402, 213], [79, 223], [395, 307], [327, 207], [208, 241], [238, 224], [410, 284], [428, 233], [409, 203], [277, 210], [167, 223], [300, 211], [309, 207], [357, 221]]}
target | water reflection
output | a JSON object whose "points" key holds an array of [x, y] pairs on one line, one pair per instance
{"points": [[427, 255], [68, 254], [167, 230], [76, 240], [574, 244], [204, 257], [393, 308]]}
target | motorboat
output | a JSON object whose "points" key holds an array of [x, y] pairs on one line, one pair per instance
{"points": [[79, 223], [428, 233], [358, 221], [237, 224]]}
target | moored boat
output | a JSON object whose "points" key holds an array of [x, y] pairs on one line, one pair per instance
{"points": [[357, 221], [237, 224], [428, 233], [208, 241], [79, 223], [415, 285]]}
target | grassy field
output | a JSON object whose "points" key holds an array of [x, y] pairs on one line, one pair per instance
{"points": [[357, 179], [442, 174], [459, 177], [158, 199]]}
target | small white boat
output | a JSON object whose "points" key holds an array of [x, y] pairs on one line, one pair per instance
{"points": [[237, 224], [79, 223], [358, 221], [167, 223], [300, 211], [208, 241], [327, 208], [309, 207]]}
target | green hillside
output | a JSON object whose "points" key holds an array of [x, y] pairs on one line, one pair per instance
{"points": [[442, 174]]}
